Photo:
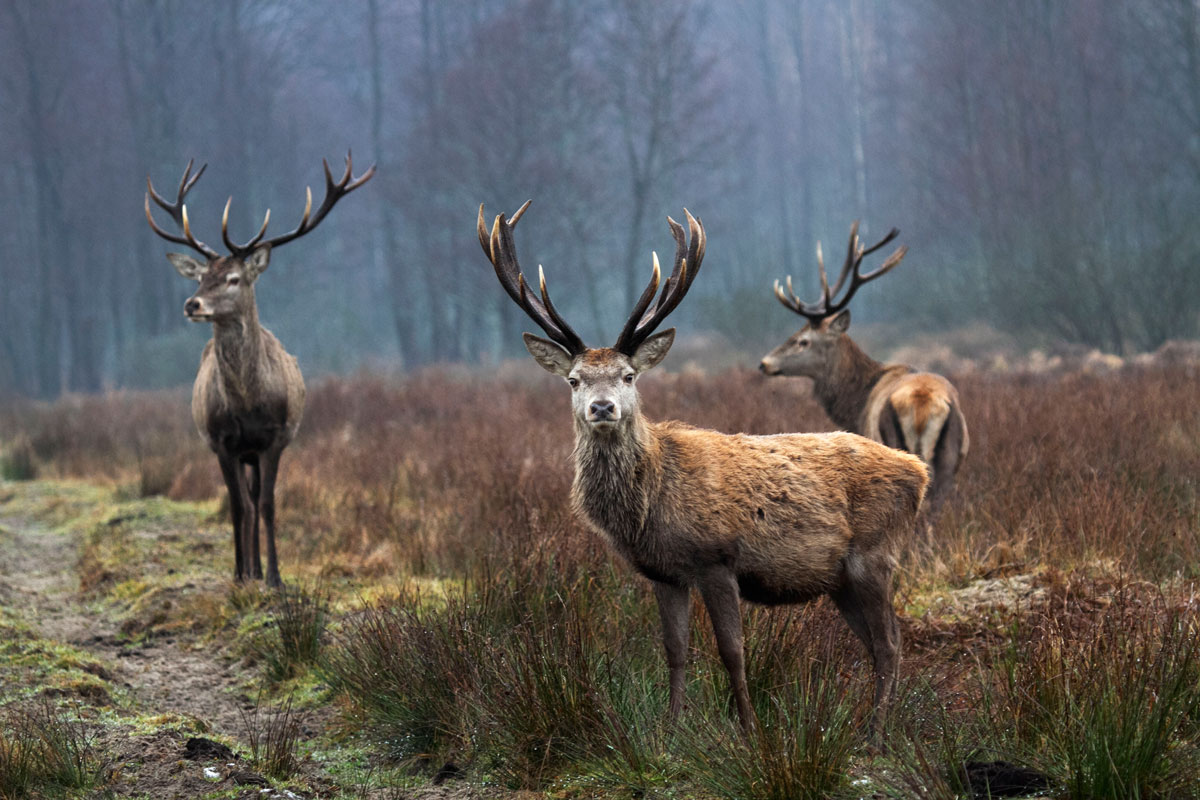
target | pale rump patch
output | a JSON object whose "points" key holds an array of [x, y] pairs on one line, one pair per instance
{"points": [[922, 404]]}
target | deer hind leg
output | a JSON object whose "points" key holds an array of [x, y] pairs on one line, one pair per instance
{"points": [[945, 463], [674, 606], [270, 469], [720, 592], [865, 601], [231, 471], [891, 432]]}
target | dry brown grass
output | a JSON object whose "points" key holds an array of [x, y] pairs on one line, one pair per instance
{"points": [[1077, 503], [431, 474]]}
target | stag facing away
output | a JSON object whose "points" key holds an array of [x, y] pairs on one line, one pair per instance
{"points": [[248, 397], [891, 403], [771, 519]]}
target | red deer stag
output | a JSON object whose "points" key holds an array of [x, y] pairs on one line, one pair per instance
{"points": [[914, 411], [772, 519], [249, 396]]}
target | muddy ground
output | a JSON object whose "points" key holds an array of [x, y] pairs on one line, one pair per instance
{"points": [[143, 682]]}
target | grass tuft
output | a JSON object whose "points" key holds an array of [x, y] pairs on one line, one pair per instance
{"points": [[292, 641], [811, 705], [1108, 709], [44, 749], [274, 739]]}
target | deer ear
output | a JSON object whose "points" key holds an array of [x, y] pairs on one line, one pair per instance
{"points": [[187, 266], [839, 322], [653, 350], [552, 357], [256, 262]]}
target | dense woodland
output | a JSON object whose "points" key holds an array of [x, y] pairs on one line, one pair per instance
{"points": [[1041, 158]]}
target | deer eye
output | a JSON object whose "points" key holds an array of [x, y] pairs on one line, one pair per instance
{"points": [[574, 382], [629, 378], [233, 280]]}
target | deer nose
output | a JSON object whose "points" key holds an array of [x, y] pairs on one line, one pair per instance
{"points": [[602, 409], [191, 306], [762, 367]]}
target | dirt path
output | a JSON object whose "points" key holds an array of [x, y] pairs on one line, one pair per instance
{"points": [[38, 581]]}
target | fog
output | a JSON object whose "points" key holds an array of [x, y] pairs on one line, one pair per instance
{"points": [[1041, 159]]}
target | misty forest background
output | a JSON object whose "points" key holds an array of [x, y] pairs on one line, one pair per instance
{"points": [[1042, 159]]}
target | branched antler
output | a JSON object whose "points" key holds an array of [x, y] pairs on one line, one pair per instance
{"points": [[334, 191], [501, 250], [500, 247], [827, 306], [644, 320], [178, 211]]}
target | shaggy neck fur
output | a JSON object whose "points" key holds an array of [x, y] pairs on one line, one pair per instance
{"points": [[238, 347], [845, 387], [615, 476]]}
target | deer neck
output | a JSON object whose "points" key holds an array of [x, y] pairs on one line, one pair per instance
{"points": [[846, 385], [240, 353], [614, 475]]}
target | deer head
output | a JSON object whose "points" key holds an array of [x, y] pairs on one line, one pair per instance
{"points": [[226, 288], [811, 350], [603, 380]]}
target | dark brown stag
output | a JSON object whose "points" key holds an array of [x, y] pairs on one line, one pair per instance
{"points": [[249, 395], [890, 403], [771, 519]]}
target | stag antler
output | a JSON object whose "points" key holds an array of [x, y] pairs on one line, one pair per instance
{"points": [[501, 250], [334, 191], [644, 319], [855, 253], [178, 211]]}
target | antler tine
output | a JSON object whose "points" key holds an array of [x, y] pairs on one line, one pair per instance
{"points": [[892, 234], [688, 257], [501, 250], [824, 278], [642, 304], [892, 260], [241, 249], [783, 298], [334, 191], [854, 256], [857, 279], [178, 211]]}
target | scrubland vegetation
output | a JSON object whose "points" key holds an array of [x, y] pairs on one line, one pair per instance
{"points": [[447, 619]]}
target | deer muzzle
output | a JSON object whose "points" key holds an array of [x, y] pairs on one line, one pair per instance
{"points": [[195, 310], [602, 412]]}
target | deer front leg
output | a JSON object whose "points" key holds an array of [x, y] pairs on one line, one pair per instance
{"points": [[270, 469], [252, 522], [231, 471], [673, 610], [721, 596]]}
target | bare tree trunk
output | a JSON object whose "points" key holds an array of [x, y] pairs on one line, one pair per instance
{"points": [[384, 241]]}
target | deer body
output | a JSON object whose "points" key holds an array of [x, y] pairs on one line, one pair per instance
{"points": [[247, 402], [918, 412], [786, 514], [249, 394], [771, 519], [248, 397]]}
